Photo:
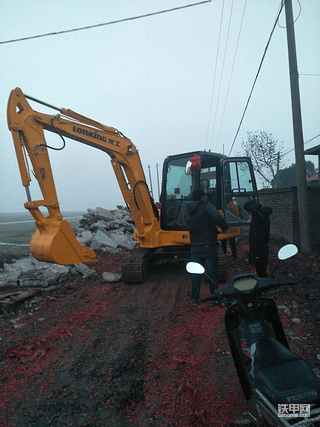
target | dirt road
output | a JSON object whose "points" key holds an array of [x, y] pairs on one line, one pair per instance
{"points": [[116, 355]]}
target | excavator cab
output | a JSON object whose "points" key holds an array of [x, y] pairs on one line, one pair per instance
{"points": [[227, 182]]}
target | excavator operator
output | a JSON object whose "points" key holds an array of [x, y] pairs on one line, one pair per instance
{"points": [[202, 219]]}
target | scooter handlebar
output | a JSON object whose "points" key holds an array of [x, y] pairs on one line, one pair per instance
{"points": [[266, 284], [288, 282], [213, 297]]}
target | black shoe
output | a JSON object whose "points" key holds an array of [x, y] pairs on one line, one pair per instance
{"points": [[194, 302]]}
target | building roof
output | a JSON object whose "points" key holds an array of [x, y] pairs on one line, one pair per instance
{"points": [[314, 177], [313, 151]]}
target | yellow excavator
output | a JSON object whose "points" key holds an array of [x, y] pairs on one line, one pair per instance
{"points": [[161, 229]]}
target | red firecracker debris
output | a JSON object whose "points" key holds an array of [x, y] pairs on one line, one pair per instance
{"points": [[100, 354]]}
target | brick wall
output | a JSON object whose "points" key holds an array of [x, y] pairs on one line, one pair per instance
{"points": [[285, 215]]}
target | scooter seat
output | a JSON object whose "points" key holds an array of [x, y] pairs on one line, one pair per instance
{"points": [[283, 375]]}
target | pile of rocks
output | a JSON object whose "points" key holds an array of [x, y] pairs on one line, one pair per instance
{"points": [[101, 230], [28, 272], [107, 231]]}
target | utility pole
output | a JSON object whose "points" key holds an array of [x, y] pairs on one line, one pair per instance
{"points": [[303, 205]]}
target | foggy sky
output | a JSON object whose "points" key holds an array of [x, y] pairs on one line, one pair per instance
{"points": [[153, 80]]}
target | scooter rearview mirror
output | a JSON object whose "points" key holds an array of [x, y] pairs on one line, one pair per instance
{"points": [[287, 251], [195, 268]]}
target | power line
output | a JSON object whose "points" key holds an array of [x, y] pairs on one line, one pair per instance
{"points": [[222, 71], [231, 74], [296, 19], [147, 15], [315, 75], [215, 73], [257, 75], [310, 140]]}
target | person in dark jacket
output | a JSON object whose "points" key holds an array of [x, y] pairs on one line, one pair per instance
{"points": [[202, 219], [259, 236]]}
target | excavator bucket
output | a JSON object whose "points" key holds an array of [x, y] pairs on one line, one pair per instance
{"points": [[58, 244]]}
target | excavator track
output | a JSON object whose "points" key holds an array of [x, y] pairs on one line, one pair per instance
{"points": [[134, 266]]}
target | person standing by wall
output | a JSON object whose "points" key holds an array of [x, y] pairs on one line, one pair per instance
{"points": [[202, 219], [259, 236]]}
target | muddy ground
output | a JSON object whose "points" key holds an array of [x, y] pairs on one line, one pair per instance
{"points": [[91, 353]]}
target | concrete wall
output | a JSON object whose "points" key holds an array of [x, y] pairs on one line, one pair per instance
{"points": [[285, 216]]}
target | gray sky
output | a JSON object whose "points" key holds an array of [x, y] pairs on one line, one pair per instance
{"points": [[153, 80]]}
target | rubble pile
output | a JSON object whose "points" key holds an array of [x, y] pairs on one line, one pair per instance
{"points": [[99, 229], [107, 231], [28, 272]]}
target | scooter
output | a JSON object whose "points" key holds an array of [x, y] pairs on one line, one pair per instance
{"points": [[278, 383]]}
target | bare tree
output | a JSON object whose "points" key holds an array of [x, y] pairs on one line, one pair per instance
{"points": [[265, 153]]}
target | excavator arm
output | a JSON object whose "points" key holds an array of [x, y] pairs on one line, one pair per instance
{"points": [[54, 240]]}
